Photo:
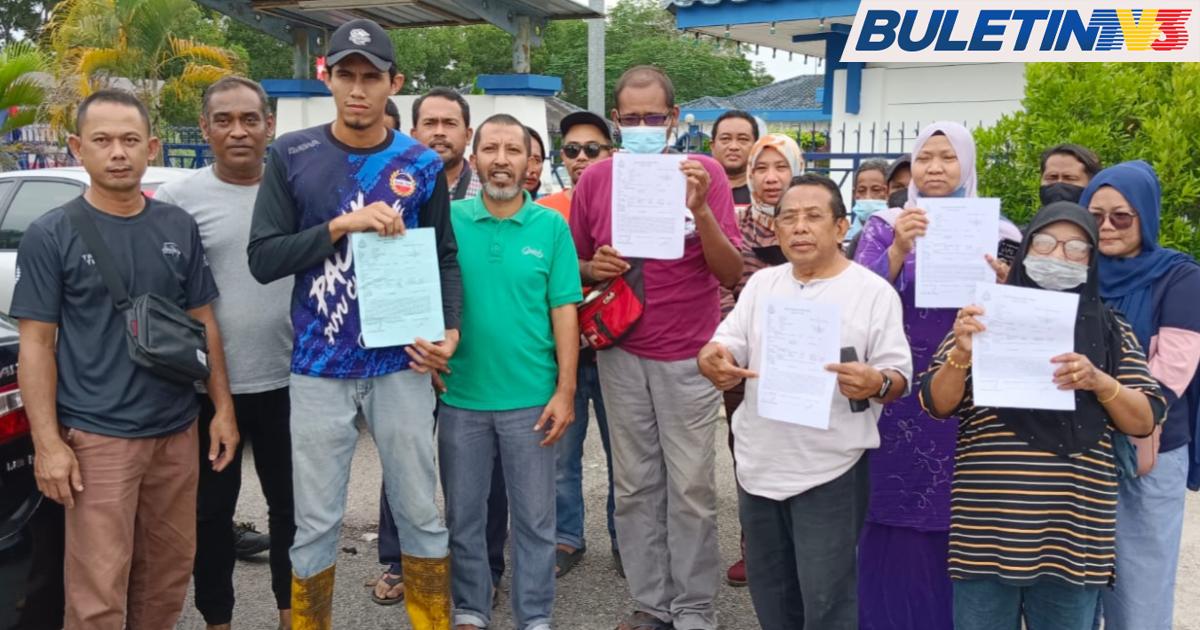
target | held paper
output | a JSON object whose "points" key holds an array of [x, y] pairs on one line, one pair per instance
{"points": [[649, 206], [800, 338], [399, 287], [950, 257]]}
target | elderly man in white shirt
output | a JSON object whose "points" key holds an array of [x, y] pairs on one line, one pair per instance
{"points": [[802, 491]]}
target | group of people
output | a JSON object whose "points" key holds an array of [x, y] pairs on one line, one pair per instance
{"points": [[914, 508]]}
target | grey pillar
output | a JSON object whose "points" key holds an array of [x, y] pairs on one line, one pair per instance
{"points": [[522, 44], [595, 85], [302, 66]]}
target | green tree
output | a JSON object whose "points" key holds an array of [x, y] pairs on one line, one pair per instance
{"points": [[22, 19], [263, 56], [20, 95], [1122, 111], [144, 41]]}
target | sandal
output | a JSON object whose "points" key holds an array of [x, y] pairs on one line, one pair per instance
{"points": [[392, 581], [644, 621], [564, 561]]}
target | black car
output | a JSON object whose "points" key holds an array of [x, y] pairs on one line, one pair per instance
{"points": [[31, 527]]}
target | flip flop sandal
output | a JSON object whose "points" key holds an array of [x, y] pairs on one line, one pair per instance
{"points": [[644, 621], [392, 581], [564, 561]]}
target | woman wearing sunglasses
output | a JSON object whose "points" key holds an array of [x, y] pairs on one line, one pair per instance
{"points": [[1156, 289], [1034, 506]]}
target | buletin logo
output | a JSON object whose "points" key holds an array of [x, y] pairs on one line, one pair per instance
{"points": [[402, 183], [1021, 30]]}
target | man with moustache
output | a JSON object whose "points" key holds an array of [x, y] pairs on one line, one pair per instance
{"points": [[321, 185], [733, 133], [236, 120]]}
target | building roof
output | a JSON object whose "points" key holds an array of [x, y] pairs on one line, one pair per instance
{"points": [[797, 93], [329, 14], [797, 26]]}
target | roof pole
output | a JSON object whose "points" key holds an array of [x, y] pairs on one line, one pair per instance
{"points": [[596, 84], [301, 57], [522, 44]]}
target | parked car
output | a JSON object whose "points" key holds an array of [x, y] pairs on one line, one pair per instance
{"points": [[27, 195], [31, 527]]}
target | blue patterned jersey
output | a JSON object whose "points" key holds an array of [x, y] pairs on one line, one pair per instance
{"points": [[310, 179]]}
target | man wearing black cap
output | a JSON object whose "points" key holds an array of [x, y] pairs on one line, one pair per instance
{"points": [[586, 139], [321, 185]]}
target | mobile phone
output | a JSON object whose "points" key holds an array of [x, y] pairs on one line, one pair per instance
{"points": [[850, 355]]}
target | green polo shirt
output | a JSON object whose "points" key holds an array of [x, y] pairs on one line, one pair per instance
{"points": [[514, 272]]}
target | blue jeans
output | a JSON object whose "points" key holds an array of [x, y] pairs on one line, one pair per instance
{"points": [[466, 443], [398, 408], [986, 604], [568, 479], [1149, 530]]}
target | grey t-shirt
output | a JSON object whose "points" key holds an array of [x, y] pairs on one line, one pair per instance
{"points": [[100, 389], [255, 320]]}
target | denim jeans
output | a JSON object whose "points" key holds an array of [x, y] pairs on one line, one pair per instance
{"points": [[398, 408], [568, 480], [1149, 530], [466, 443], [986, 604]]}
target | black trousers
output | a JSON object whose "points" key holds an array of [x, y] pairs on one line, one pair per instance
{"points": [[263, 421], [802, 553]]}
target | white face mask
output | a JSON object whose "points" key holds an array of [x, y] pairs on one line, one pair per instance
{"points": [[1055, 274]]}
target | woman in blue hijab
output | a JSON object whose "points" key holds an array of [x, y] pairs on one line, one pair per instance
{"points": [[1156, 289]]}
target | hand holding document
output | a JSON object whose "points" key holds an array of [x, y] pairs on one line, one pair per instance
{"points": [[649, 205], [800, 338], [399, 287], [950, 257], [1025, 329]]}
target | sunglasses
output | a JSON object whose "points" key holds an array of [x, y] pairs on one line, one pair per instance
{"points": [[1075, 249], [651, 120], [592, 149], [1119, 220]]}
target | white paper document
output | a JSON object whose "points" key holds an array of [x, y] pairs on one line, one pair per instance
{"points": [[1011, 359], [649, 206], [800, 338], [950, 257], [399, 287]]}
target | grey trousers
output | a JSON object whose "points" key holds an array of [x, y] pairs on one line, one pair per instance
{"points": [[662, 417]]}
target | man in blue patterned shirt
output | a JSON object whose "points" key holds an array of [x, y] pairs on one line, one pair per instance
{"points": [[322, 184]]}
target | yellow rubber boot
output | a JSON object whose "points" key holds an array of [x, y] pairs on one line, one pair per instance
{"points": [[427, 592], [312, 601]]}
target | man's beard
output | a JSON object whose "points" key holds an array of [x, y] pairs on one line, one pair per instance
{"points": [[737, 171], [502, 193]]}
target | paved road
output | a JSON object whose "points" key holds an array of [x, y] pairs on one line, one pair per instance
{"points": [[592, 597]]}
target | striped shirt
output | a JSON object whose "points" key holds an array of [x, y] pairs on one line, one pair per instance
{"points": [[1019, 514], [757, 231]]}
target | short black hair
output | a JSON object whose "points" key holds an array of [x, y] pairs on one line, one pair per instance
{"points": [[816, 179], [736, 113], [230, 83], [873, 164], [538, 137], [1089, 159], [115, 96], [641, 76], [449, 95], [391, 110], [503, 119]]}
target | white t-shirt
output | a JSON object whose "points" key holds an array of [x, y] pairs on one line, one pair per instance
{"points": [[254, 320], [778, 460]]}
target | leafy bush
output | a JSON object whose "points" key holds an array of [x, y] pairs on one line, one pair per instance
{"points": [[1122, 111]]}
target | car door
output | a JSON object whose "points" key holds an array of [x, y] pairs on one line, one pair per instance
{"points": [[32, 197]]}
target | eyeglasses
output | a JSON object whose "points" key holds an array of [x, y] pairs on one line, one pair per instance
{"points": [[650, 120], [1075, 249], [592, 149], [1119, 220]]}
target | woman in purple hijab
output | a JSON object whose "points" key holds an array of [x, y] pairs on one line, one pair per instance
{"points": [[903, 578]]}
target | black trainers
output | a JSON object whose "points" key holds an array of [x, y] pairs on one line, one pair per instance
{"points": [[248, 542]]}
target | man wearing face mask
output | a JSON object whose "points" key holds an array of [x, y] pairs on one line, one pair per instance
{"points": [[1066, 171], [662, 411]]}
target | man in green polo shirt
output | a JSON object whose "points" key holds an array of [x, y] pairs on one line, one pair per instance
{"points": [[512, 380]]}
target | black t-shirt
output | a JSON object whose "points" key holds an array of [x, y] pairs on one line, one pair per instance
{"points": [[741, 195], [100, 390]]}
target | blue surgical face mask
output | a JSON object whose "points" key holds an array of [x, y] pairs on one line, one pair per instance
{"points": [[864, 208], [643, 139]]}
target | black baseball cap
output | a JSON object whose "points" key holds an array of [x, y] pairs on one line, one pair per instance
{"points": [[904, 161], [585, 118], [361, 37]]}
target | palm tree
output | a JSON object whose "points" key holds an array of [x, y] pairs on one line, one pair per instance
{"points": [[99, 41], [20, 93]]}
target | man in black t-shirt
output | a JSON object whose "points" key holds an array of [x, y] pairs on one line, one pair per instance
{"points": [[115, 442]]}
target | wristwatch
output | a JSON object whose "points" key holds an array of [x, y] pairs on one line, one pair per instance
{"points": [[887, 385]]}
